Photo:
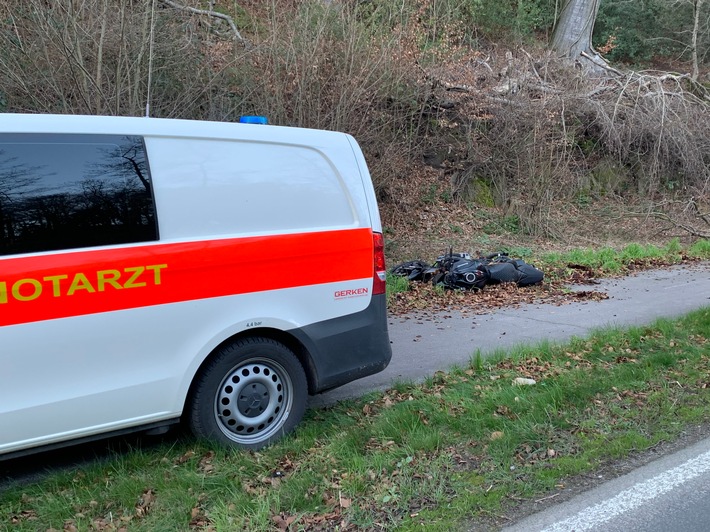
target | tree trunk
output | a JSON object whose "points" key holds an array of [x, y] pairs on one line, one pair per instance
{"points": [[697, 5], [572, 37]]}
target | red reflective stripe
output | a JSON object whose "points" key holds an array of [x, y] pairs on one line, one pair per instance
{"points": [[86, 282]]}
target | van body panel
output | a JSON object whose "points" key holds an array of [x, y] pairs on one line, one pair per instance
{"points": [[347, 348], [83, 282], [255, 228], [131, 367], [231, 177], [368, 188]]}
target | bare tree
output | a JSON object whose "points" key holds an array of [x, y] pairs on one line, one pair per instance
{"points": [[697, 7], [700, 23]]}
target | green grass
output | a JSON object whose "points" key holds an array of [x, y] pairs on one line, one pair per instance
{"points": [[396, 284], [459, 446], [700, 249], [609, 261]]}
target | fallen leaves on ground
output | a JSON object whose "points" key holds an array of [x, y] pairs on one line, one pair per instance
{"points": [[145, 503], [424, 300], [205, 466], [24, 515], [198, 514]]}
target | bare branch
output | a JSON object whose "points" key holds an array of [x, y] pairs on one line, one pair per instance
{"points": [[692, 231], [532, 64], [600, 63], [209, 13]]}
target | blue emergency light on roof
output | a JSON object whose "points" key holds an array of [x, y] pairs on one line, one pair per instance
{"points": [[253, 119]]}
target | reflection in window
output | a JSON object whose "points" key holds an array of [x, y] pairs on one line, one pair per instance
{"points": [[70, 191]]}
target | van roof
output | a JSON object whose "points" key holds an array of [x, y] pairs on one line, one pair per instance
{"points": [[164, 127]]}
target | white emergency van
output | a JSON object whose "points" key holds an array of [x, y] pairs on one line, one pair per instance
{"points": [[156, 270]]}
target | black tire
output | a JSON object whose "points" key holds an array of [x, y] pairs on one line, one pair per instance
{"points": [[251, 393]]}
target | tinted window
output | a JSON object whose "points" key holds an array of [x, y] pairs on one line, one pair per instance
{"points": [[70, 191]]}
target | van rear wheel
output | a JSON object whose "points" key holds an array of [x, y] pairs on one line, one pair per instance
{"points": [[251, 393]]}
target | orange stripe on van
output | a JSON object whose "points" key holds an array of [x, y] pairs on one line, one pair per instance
{"points": [[87, 282]]}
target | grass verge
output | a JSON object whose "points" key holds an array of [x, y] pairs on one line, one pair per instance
{"points": [[608, 261], [461, 446]]}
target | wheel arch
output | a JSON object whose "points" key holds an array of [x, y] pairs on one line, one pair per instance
{"points": [[288, 340]]}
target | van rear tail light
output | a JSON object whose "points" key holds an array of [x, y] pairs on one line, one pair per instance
{"points": [[380, 277]]}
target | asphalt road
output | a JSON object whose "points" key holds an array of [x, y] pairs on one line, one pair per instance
{"points": [[427, 343], [669, 494]]}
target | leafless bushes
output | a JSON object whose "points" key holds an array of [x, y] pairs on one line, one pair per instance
{"points": [[543, 137], [322, 67], [529, 159], [518, 130], [93, 57], [310, 64], [658, 125]]}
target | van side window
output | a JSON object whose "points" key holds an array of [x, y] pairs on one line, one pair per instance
{"points": [[61, 191]]}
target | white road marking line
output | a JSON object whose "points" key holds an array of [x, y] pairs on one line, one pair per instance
{"points": [[634, 497], [671, 287]]}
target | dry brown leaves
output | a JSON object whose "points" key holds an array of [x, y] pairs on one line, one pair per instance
{"points": [[531, 368], [424, 299], [464, 459], [527, 454], [110, 523], [24, 515], [333, 519], [205, 465], [198, 514], [186, 457], [145, 503], [630, 397]]}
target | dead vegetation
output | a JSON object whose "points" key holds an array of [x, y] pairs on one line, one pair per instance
{"points": [[528, 136], [483, 145]]}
